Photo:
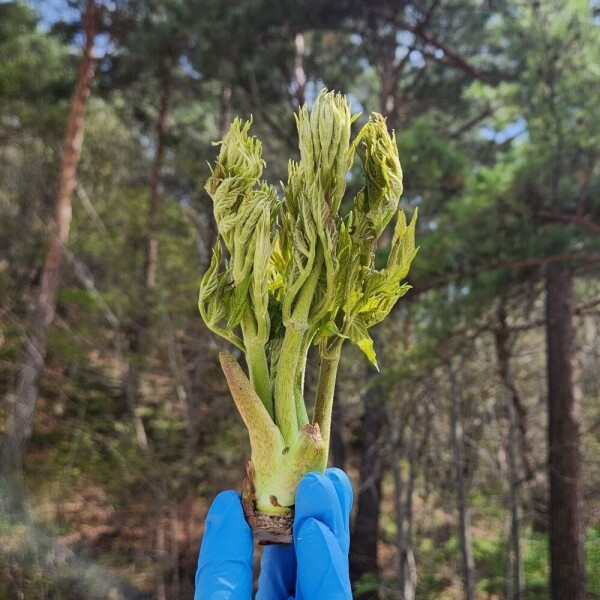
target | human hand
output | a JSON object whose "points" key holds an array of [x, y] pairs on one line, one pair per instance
{"points": [[315, 567]]}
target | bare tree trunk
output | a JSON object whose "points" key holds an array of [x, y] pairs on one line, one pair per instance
{"points": [[409, 565], [299, 73], [568, 577], [137, 343], [502, 339], [225, 112], [407, 569], [161, 589], [396, 436], [388, 90], [461, 492], [138, 331], [20, 426], [515, 580], [179, 372], [363, 546], [175, 563], [155, 180], [518, 573]]}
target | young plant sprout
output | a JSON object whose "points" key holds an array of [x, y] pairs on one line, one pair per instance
{"points": [[291, 273]]}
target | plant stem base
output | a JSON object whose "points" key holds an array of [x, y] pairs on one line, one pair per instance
{"points": [[267, 529], [271, 529]]}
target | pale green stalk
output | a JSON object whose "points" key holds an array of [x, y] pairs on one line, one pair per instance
{"points": [[301, 411], [258, 370], [285, 382], [330, 360], [290, 358], [265, 438]]}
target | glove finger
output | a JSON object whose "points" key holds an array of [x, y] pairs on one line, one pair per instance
{"points": [[322, 566], [343, 488], [277, 579], [225, 561], [317, 498]]}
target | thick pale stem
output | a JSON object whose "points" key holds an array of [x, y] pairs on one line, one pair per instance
{"points": [[285, 382], [301, 413], [275, 492], [286, 398], [256, 359], [258, 369], [330, 361], [265, 438]]}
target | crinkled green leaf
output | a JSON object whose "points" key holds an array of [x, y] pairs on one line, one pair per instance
{"points": [[360, 337], [238, 303], [329, 329]]}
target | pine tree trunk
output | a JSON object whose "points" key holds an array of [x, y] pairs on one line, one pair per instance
{"points": [[568, 578], [515, 579], [20, 426], [175, 551], [137, 335], [464, 517], [155, 180], [407, 569], [409, 565], [225, 110], [518, 574], [396, 440], [363, 546], [299, 73], [160, 552]]}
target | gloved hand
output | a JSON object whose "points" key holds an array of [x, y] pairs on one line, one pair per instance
{"points": [[315, 567]]}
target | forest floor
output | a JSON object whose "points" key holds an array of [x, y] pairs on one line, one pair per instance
{"points": [[101, 520]]}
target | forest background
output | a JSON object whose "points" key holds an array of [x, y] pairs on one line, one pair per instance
{"points": [[474, 452]]}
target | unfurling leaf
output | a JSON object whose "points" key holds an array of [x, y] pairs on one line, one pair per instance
{"points": [[360, 337]]}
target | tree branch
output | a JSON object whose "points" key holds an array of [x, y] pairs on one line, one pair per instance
{"points": [[487, 112], [508, 265], [451, 56], [575, 219]]}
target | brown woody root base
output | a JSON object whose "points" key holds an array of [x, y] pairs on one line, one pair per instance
{"points": [[267, 529], [271, 529]]}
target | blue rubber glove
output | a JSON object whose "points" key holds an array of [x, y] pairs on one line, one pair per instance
{"points": [[315, 567]]}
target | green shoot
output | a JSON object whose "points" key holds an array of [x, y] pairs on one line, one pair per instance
{"points": [[290, 273]]}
